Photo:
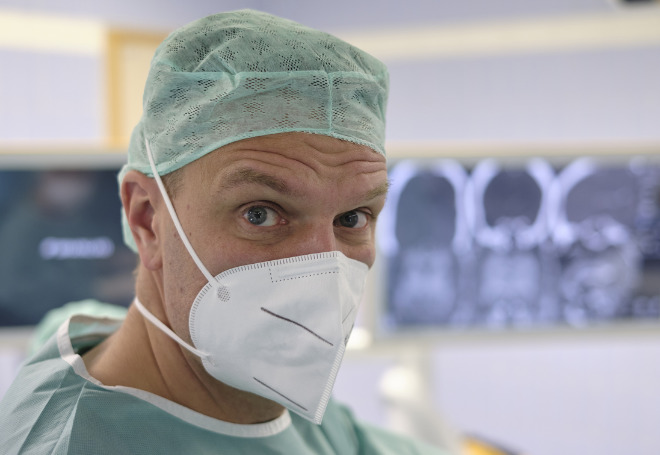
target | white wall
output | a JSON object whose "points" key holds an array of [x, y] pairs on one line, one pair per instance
{"points": [[583, 396], [50, 97], [585, 96]]}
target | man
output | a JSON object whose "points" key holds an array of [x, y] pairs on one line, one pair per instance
{"points": [[253, 254]]}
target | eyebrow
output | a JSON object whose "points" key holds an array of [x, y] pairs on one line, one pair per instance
{"points": [[251, 176], [246, 176], [380, 190]]}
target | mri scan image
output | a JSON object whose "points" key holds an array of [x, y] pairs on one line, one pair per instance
{"points": [[527, 244]]}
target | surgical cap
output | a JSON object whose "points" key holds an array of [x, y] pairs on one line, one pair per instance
{"points": [[243, 74]]}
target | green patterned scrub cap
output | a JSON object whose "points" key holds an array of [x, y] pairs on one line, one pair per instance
{"points": [[243, 74]]}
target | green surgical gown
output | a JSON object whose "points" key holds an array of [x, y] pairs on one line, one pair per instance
{"points": [[55, 407]]}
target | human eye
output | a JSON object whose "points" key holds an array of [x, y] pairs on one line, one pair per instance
{"points": [[354, 219], [260, 215]]}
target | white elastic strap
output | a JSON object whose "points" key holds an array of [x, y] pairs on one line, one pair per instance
{"points": [[155, 321], [175, 219]]}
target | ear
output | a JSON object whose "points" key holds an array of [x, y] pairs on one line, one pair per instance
{"points": [[139, 196]]}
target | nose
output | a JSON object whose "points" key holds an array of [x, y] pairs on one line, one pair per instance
{"points": [[316, 238]]}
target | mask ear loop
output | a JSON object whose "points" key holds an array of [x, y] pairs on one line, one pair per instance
{"points": [[169, 332], [175, 219]]}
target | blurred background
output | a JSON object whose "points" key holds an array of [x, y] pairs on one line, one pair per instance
{"points": [[516, 296]]}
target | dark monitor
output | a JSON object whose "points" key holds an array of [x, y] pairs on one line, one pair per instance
{"points": [[60, 235], [524, 243]]}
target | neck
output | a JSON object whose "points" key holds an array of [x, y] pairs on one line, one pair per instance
{"points": [[141, 356]]}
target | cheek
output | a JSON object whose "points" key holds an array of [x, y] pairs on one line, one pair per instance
{"points": [[365, 253], [369, 256], [182, 281]]}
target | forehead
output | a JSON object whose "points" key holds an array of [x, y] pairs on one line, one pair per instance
{"points": [[308, 155]]}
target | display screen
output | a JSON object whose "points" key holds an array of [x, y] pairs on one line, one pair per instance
{"points": [[60, 241], [497, 245]]}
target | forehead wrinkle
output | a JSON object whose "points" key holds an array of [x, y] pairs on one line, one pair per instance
{"points": [[248, 175]]}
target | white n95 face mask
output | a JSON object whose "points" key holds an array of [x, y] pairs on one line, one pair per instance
{"points": [[277, 329]]}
